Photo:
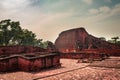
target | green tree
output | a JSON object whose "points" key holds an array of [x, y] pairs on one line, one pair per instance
{"points": [[111, 41], [16, 32], [102, 38], [38, 42], [12, 34], [115, 39], [46, 44], [27, 38], [118, 42], [5, 30]]}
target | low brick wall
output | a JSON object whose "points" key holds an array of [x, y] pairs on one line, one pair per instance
{"points": [[29, 62], [71, 55], [44, 61], [90, 53], [93, 56], [8, 63], [8, 50]]}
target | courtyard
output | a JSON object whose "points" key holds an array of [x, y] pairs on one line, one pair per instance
{"points": [[108, 69]]}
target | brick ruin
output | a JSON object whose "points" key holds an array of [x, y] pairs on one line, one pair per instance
{"points": [[78, 43], [74, 43], [27, 58]]}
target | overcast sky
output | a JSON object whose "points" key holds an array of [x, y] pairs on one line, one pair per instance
{"points": [[47, 18]]}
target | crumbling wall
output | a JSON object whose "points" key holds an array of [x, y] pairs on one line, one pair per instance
{"points": [[77, 40], [28, 62], [8, 50]]}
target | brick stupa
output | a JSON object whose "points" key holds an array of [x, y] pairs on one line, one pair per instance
{"points": [[79, 39]]}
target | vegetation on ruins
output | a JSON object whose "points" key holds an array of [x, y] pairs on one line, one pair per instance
{"points": [[114, 40], [11, 33], [102, 38]]}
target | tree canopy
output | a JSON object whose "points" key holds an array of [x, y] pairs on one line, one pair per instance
{"points": [[11, 33], [102, 38], [115, 40]]}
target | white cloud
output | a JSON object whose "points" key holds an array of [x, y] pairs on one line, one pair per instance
{"points": [[116, 10], [43, 23], [88, 1], [103, 12], [13, 4], [32, 18], [104, 9], [93, 11], [102, 21]]}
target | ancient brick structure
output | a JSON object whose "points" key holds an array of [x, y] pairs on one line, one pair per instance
{"points": [[78, 40], [19, 49], [27, 58], [29, 62]]}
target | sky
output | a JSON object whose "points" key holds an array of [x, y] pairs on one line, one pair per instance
{"points": [[48, 18]]}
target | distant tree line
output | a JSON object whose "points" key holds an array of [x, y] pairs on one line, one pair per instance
{"points": [[11, 33], [114, 40]]}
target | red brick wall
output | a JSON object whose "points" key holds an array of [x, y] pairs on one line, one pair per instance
{"points": [[68, 41], [7, 50], [4, 65], [25, 63]]}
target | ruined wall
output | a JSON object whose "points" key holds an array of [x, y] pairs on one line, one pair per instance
{"points": [[8, 50], [28, 62], [67, 40], [76, 40]]}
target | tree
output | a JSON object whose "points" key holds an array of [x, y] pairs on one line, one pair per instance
{"points": [[5, 28], [16, 32], [111, 41], [12, 34], [50, 44], [115, 39], [38, 42], [102, 38], [27, 38], [46, 44]]}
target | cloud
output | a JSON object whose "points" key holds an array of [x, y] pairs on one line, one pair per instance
{"points": [[15, 8], [102, 21], [12, 8], [116, 10], [108, 1], [93, 11], [46, 17], [103, 13], [104, 9], [32, 17], [88, 1], [13, 4]]}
